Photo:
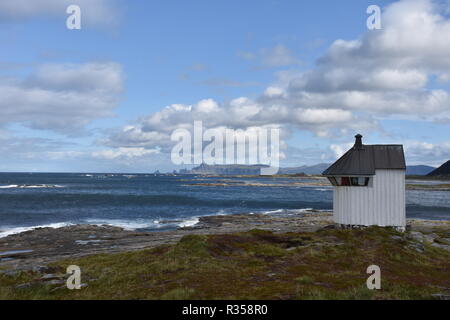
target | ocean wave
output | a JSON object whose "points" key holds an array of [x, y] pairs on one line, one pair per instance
{"points": [[26, 186], [130, 225], [274, 211], [7, 231], [189, 222], [323, 189], [144, 224], [288, 212]]}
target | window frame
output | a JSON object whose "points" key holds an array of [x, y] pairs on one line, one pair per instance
{"points": [[351, 181]]}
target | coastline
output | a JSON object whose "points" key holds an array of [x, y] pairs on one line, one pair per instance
{"points": [[38, 247], [230, 257]]}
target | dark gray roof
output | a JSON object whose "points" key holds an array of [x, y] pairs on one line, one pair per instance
{"points": [[365, 159]]}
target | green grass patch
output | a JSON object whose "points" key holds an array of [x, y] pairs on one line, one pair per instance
{"points": [[330, 264]]}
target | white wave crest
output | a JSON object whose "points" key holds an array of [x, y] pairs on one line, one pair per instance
{"points": [[189, 223], [126, 224], [6, 231], [26, 186]]}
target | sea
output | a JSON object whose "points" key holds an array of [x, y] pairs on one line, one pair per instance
{"points": [[147, 202]]}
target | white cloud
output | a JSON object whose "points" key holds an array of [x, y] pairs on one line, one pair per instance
{"points": [[208, 105], [101, 77], [416, 152], [419, 152], [61, 97], [383, 74], [101, 12], [125, 153], [273, 92], [340, 149]]}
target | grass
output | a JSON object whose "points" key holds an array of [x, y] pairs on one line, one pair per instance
{"points": [[329, 264]]}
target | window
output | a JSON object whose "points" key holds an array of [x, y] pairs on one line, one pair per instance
{"points": [[360, 181], [345, 181], [350, 181], [333, 181]]}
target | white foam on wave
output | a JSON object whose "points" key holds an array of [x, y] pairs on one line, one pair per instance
{"points": [[288, 212], [9, 186], [18, 186], [7, 231], [144, 223], [323, 189], [189, 222], [126, 224], [221, 213], [42, 186], [273, 211]]}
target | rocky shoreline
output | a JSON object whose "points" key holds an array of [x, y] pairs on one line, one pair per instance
{"points": [[33, 250]]}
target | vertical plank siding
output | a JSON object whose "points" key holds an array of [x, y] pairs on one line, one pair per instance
{"points": [[382, 203]]}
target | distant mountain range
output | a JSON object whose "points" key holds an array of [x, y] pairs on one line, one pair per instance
{"points": [[315, 169], [443, 170], [420, 170]]}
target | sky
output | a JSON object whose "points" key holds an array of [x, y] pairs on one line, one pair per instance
{"points": [[107, 97]]}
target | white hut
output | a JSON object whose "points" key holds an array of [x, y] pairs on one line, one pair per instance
{"points": [[369, 186]]}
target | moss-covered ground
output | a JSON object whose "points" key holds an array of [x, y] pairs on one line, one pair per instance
{"points": [[328, 264]]}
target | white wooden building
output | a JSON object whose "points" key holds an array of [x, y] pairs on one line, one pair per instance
{"points": [[369, 186]]}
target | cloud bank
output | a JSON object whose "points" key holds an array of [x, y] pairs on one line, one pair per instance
{"points": [[61, 97], [386, 73]]}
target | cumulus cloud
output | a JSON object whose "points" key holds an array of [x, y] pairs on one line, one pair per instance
{"points": [[61, 97], [340, 149], [383, 74], [99, 12], [273, 92], [385, 71], [154, 131], [418, 152]]}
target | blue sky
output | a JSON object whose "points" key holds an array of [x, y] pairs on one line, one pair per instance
{"points": [[87, 100]]}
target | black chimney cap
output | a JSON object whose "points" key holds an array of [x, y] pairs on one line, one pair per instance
{"points": [[358, 141]]}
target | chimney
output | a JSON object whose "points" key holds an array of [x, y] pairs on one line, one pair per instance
{"points": [[358, 141]]}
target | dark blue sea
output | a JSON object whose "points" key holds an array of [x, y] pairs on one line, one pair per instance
{"points": [[148, 202]]}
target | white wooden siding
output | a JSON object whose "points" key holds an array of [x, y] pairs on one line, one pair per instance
{"points": [[382, 203]]}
